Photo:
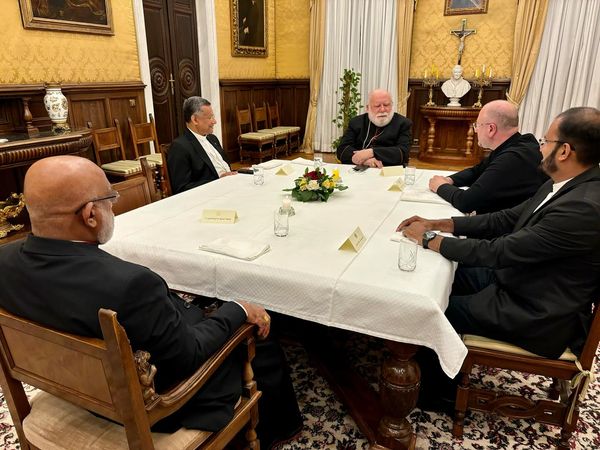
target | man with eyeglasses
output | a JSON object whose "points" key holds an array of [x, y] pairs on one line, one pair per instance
{"points": [[59, 277], [505, 178], [378, 138], [196, 157], [528, 275]]}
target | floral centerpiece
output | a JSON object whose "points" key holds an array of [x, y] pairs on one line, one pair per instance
{"points": [[316, 185]]}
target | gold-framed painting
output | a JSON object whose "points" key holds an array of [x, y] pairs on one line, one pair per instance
{"points": [[460, 7], [249, 28], [80, 16]]}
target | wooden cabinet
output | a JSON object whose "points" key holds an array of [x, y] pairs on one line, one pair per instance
{"points": [[447, 136]]}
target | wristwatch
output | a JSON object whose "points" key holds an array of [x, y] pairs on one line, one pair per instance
{"points": [[428, 236]]}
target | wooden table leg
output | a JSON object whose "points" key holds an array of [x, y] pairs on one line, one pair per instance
{"points": [[398, 389]]}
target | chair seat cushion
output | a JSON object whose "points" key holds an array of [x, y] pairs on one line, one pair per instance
{"points": [[275, 131], [57, 424], [287, 129], [472, 340], [154, 159], [255, 136], [123, 167]]}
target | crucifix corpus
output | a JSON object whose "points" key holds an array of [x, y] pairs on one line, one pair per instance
{"points": [[461, 34]]}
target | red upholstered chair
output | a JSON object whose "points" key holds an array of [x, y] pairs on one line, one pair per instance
{"points": [[570, 377], [78, 375]]}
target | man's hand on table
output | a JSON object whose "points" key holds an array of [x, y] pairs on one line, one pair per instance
{"points": [[415, 226], [257, 316], [373, 162], [361, 156], [226, 174], [437, 180]]}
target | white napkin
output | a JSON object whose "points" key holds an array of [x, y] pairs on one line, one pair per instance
{"points": [[270, 164], [246, 249], [421, 195], [304, 162]]}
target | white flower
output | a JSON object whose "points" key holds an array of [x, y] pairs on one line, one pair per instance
{"points": [[313, 185]]}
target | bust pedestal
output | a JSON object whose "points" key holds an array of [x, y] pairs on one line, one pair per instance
{"points": [[447, 136]]}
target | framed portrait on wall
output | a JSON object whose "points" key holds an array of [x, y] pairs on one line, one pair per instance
{"points": [[249, 28], [81, 16], [460, 7]]}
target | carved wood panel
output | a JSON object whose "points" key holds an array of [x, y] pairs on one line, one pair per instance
{"points": [[292, 96]]}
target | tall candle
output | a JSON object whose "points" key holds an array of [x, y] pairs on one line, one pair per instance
{"points": [[287, 202]]}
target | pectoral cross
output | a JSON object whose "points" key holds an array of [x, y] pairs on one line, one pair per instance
{"points": [[461, 34]]}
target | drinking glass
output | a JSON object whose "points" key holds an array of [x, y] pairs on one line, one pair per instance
{"points": [[407, 254], [410, 173], [281, 223], [258, 175], [318, 160]]}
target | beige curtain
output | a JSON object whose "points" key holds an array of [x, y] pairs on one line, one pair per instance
{"points": [[529, 28], [316, 56], [404, 19]]}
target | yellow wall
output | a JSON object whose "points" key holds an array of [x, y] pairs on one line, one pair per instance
{"points": [[37, 56], [287, 34], [492, 44]]}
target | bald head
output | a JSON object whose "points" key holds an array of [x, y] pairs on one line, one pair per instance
{"points": [[55, 188], [504, 114]]}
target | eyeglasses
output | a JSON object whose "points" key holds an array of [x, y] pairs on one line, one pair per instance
{"points": [[113, 197], [544, 141], [476, 125]]}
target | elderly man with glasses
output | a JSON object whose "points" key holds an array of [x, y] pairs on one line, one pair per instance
{"points": [[505, 178], [59, 277]]}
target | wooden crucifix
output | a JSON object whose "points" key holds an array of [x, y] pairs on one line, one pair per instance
{"points": [[461, 34]]}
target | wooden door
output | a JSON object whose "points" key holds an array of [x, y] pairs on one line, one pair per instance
{"points": [[171, 35]]}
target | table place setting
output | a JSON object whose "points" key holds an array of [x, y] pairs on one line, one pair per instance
{"points": [[247, 250]]}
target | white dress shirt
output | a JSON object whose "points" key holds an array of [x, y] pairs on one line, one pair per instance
{"points": [[555, 188], [215, 156]]}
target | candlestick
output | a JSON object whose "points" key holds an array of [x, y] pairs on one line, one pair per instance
{"points": [[480, 81], [431, 82], [286, 205]]}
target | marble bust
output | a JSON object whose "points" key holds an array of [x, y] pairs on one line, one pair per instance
{"points": [[456, 87]]}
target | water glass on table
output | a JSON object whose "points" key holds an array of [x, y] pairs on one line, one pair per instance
{"points": [[318, 160], [407, 254], [258, 175], [410, 174], [281, 223]]}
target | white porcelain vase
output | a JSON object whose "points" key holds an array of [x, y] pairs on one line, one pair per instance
{"points": [[58, 108]]}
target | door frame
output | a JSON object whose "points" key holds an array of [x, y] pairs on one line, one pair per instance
{"points": [[207, 56]]}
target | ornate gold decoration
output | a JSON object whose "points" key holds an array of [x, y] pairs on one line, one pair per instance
{"points": [[9, 209], [431, 82], [480, 81], [243, 24]]}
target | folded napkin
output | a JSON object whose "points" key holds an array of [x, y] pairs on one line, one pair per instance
{"points": [[270, 164], [246, 249], [305, 162], [421, 195]]}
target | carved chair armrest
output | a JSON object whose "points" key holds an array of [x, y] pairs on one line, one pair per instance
{"points": [[177, 396]]}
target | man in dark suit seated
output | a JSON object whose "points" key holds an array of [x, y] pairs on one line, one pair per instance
{"points": [[505, 178], [528, 275], [60, 278], [380, 137], [196, 157]]}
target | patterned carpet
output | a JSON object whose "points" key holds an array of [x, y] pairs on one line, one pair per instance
{"points": [[328, 426]]}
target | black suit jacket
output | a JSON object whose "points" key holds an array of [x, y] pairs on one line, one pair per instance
{"points": [[547, 266], [189, 165], [390, 144], [507, 177], [63, 284]]}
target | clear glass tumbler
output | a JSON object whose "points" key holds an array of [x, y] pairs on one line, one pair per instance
{"points": [[281, 222], [258, 175], [407, 254]]}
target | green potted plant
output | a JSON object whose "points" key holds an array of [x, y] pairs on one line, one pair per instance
{"points": [[349, 102]]}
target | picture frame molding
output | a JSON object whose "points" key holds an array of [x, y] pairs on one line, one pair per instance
{"points": [[450, 11], [41, 23], [237, 49]]}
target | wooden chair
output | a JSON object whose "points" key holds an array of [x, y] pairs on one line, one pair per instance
{"points": [[275, 124], [135, 192], [108, 141], [252, 144], [260, 123], [79, 375], [564, 372], [143, 134], [165, 180]]}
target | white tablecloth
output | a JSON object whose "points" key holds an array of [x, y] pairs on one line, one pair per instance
{"points": [[304, 275]]}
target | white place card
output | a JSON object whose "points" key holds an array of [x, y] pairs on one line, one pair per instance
{"points": [[219, 216], [392, 171], [355, 241], [285, 170]]}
